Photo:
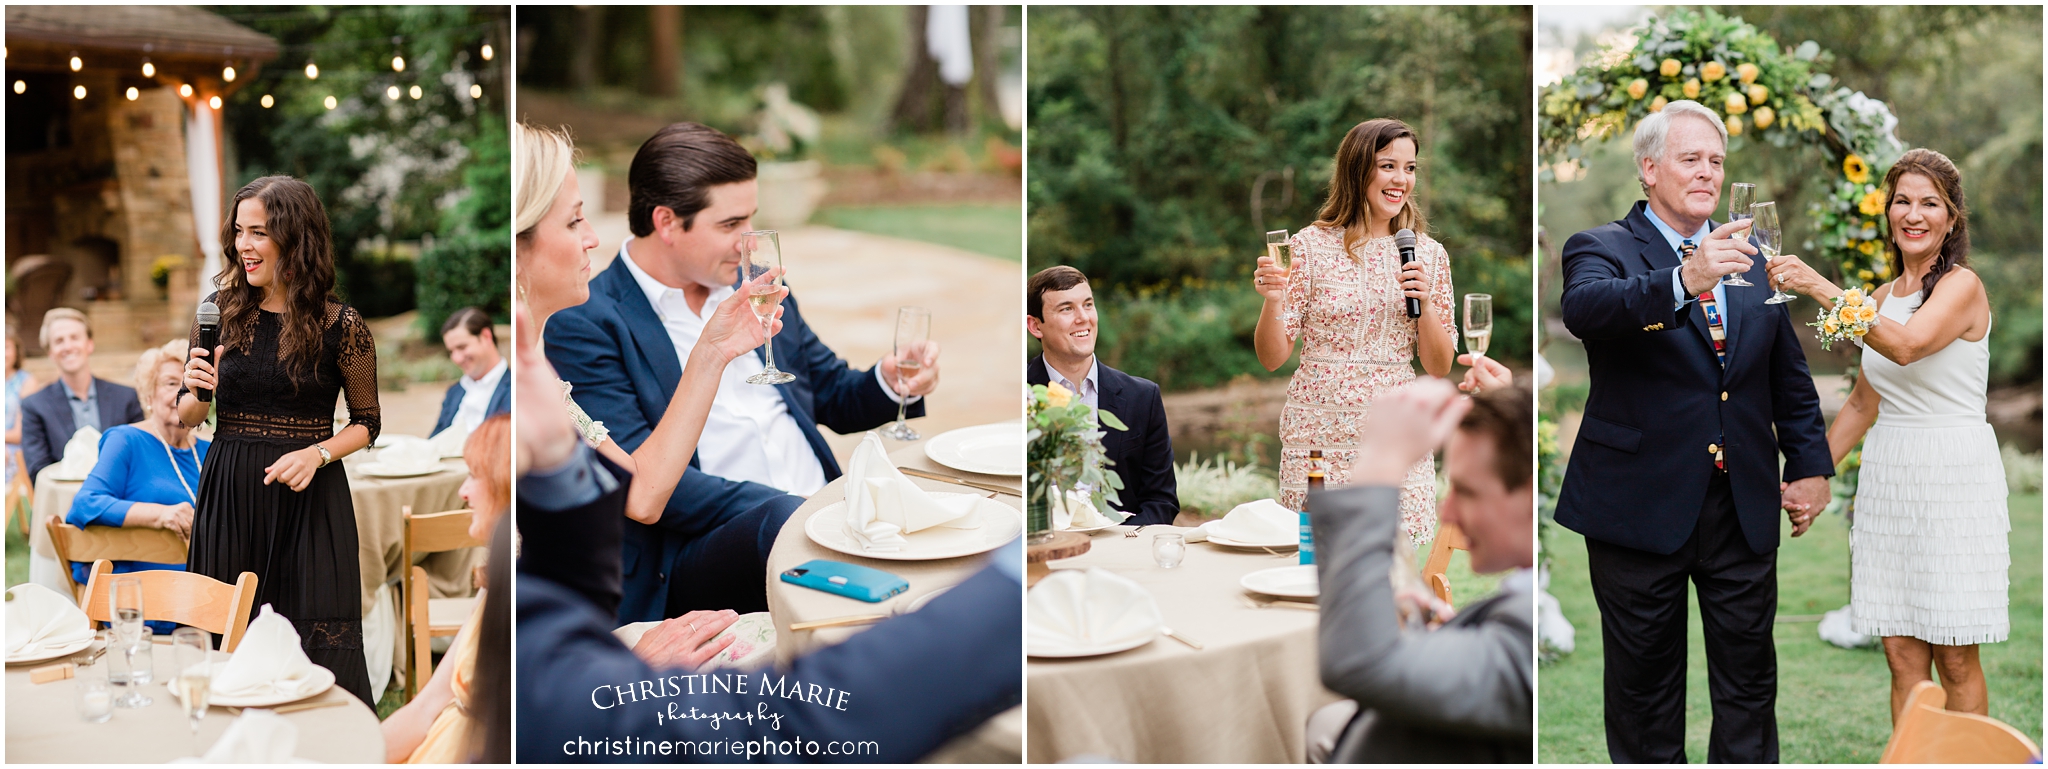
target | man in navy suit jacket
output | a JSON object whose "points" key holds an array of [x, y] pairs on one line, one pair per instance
{"points": [[77, 399], [692, 198], [1675, 475], [1060, 312], [484, 388]]}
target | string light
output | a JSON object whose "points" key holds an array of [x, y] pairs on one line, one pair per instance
{"points": [[488, 52], [227, 74], [268, 102], [312, 71], [213, 102], [331, 102], [78, 92], [133, 94], [20, 87], [476, 91], [76, 63], [392, 92], [398, 63], [185, 90], [415, 92], [148, 68]]}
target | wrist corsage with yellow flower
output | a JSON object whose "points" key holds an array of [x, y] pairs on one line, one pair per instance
{"points": [[1851, 316]]}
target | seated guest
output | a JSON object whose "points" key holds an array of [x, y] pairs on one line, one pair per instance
{"points": [[1460, 693], [436, 727], [77, 399], [148, 472], [484, 390], [1060, 311], [19, 383]]}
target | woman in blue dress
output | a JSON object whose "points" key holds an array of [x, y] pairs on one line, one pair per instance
{"points": [[148, 472]]}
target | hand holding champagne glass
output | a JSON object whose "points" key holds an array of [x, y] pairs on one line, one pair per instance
{"points": [[1275, 268], [1770, 240], [1478, 323], [1740, 196], [913, 328], [761, 252]]}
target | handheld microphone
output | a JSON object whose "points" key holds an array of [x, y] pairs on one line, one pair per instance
{"points": [[209, 338], [1405, 240]]}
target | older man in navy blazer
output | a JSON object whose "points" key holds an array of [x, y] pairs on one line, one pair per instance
{"points": [[76, 400], [1060, 311], [692, 198], [1698, 389]]}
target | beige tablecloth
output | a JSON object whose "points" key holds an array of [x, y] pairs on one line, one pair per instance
{"points": [[43, 726], [999, 740], [1243, 699]]}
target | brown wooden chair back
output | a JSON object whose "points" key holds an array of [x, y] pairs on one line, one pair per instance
{"points": [[427, 533], [1448, 538], [178, 596], [110, 543], [1928, 734]]}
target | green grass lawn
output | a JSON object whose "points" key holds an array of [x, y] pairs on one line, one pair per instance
{"points": [[993, 230], [1833, 703]]}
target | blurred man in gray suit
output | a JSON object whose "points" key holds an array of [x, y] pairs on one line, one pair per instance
{"points": [[1460, 693]]}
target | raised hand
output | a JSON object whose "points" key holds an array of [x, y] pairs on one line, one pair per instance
{"points": [[1485, 374], [1270, 281], [199, 372], [734, 329], [1720, 254], [546, 435], [1792, 274], [925, 380], [1405, 425], [1416, 281]]}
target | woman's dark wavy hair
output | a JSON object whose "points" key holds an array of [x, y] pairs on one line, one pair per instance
{"points": [[305, 272], [1948, 183]]}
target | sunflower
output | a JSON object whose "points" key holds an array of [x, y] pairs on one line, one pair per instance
{"points": [[1872, 204], [1857, 170], [1868, 247]]}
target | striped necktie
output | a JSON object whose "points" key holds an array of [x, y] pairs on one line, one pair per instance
{"points": [[1715, 328]]}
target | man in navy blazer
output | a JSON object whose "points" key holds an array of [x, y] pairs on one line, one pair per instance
{"points": [[1697, 389], [77, 399], [484, 390], [1060, 311], [692, 198]]}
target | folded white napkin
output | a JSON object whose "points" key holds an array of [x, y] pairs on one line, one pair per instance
{"points": [[39, 618], [1263, 522], [408, 452], [1073, 610], [449, 442], [80, 454], [256, 737], [1078, 511], [882, 506], [269, 660]]}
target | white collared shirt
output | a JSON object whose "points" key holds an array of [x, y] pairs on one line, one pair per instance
{"points": [[1679, 296], [750, 434], [1090, 388], [476, 398]]}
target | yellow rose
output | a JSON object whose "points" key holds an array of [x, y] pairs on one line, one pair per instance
{"points": [[1764, 117], [1638, 87], [1692, 88], [1868, 312], [1884, 269], [1757, 94], [1058, 397], [1734, 126], [1855, 169], [1868, 247], [1669, 68], [1852, 297], [1657, 104], [1830, 327], [1734, 104], [1713, 70], [1865, 274], [1859, 331], [1747, 72]]}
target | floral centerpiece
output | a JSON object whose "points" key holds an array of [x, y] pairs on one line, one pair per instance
{"points": [[1065, 453]]}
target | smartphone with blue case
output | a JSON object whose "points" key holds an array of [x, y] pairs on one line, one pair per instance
{"points": [[845, 579]]}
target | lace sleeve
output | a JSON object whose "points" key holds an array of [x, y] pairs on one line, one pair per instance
{"points": [[1441, 294], [593, 431], [358, 359]]}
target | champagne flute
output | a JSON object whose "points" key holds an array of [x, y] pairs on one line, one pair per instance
{"points": [[1283, 258], [761, 251], [193, 648], [1769, 243], [913, 328], [1478, 324], [126, 599], [1740, 195]]}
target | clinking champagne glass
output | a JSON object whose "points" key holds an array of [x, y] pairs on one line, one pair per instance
{"points": [[1740, 195], [1283, 255], [760, 252], [913, 328], [193, 648], [126, 597], [1770, 240], [1478, 324]]}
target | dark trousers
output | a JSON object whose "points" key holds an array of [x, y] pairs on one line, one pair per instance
{"points": [[725, 568], [1642, 599]]}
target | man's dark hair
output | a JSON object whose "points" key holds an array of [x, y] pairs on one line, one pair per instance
{"points": [[1505, 415], [676, 168], [469, 319], [1058, 278]]}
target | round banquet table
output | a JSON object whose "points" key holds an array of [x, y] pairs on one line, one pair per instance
{"points": [[1245, 698], [43, 726], [1000, 740]]}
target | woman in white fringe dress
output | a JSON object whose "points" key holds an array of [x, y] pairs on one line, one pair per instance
{"points": [[1928, 545]]}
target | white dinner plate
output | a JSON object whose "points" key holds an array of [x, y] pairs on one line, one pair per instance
{"points": [[1285, 582], [1090, 651], [1000, 523], [996, 449], [50, 653], [1094, 528], [382, 470], [323, 676], [386, 439], [60, 476], [1228, 542]]}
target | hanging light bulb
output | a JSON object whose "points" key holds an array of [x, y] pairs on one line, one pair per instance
{"points": [[213, 102], [312, 71], [415, 92], [185, 90], [476, 91], [268, 102], [227, 73], [133, 94], [331, 102], [397, 63], [148, 68], [78, 92], [76, 63], [20, 87], [392, 92], [489, 52]]}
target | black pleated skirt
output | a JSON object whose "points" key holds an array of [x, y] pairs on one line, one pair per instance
{"points": [[300, 544]]}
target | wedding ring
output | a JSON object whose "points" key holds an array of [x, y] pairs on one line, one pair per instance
{"points": [[693, 627]]}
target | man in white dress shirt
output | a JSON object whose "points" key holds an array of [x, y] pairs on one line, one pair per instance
{"points": [[483, 390]]}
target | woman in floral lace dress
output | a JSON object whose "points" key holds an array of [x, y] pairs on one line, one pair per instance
{"points": [[1346, 301]]}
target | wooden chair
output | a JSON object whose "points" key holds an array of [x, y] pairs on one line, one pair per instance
{"points": [[427, 618], [1927, 734], [1448, 538], [110, 543], [178, 596], [21, 493]]}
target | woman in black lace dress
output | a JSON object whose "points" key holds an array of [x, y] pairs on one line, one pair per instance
{"points": [[273, 498]]}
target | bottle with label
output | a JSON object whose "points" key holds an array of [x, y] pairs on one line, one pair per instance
{"points": [[1315, 484]]}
